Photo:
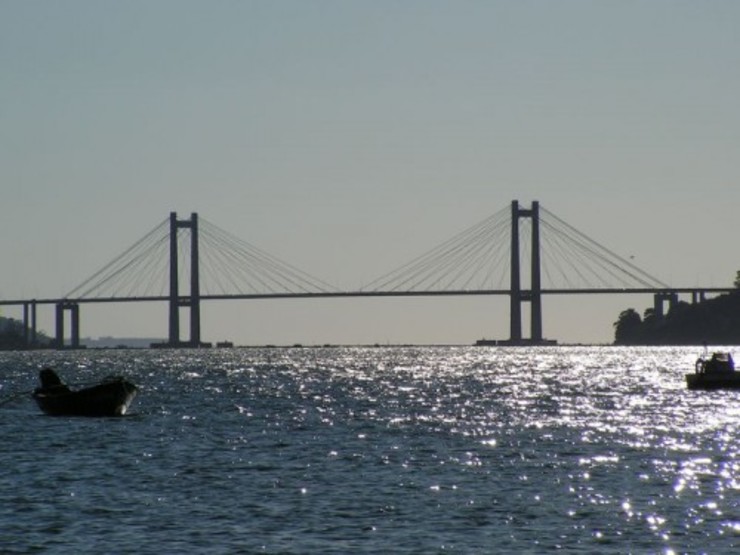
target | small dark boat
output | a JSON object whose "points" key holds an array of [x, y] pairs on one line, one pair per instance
{"points": [[112, 397], [716, 373]]}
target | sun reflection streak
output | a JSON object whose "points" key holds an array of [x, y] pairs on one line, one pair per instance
{"points": [[613, 429]]}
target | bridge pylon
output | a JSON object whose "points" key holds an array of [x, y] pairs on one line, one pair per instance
{"points": [[517, 294], [191, 301]]}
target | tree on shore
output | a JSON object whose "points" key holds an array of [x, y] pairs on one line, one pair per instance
{"points": [[715, 321], [13, 335], [627, 328]]}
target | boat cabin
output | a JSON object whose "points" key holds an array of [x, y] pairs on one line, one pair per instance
{"points": [[720, 363]]}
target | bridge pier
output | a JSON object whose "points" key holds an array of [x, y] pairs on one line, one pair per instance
{"points": [[74, 310], [659, 300], [29, 324]]}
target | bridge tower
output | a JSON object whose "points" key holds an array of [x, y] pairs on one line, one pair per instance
{"points": [[534, 294], [176, 301]]}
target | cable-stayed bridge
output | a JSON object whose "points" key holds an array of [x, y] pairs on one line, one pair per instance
{"points": [[523, 253]]}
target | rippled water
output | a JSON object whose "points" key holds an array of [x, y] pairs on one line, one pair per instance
{"points": [[374, 450]]}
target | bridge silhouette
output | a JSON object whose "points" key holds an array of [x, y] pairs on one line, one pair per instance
{"points": [[185, 262]]}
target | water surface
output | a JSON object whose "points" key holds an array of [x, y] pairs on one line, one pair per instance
{"points": [[374, 450]]}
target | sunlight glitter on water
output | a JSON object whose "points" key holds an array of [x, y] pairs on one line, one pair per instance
{"points": [[393, 449]]}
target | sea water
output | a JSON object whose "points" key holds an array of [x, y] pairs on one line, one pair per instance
{"points": [[374, 450]]}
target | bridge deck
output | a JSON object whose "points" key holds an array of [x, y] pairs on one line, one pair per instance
{"points": [[342, 294]]}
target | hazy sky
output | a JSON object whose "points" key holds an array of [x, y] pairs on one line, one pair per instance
{"points": [[348, 137]]}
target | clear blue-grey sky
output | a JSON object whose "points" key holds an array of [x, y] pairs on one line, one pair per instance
{"points": [[347, 137]]}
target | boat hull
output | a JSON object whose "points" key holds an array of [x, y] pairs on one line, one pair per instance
{"points": [[729, 380], [110, 398]]}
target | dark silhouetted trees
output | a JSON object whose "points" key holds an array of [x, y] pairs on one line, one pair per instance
{"points": [[714, 321], [12, 335], [626, 329]]}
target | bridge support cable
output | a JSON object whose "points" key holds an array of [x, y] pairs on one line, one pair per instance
{"points": [[555, 270], [586, 268], [242, 271], [470, 259], [568, 267], [586, 271], [584, 255], [235, 263], [457, 266], [122, 276]]}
